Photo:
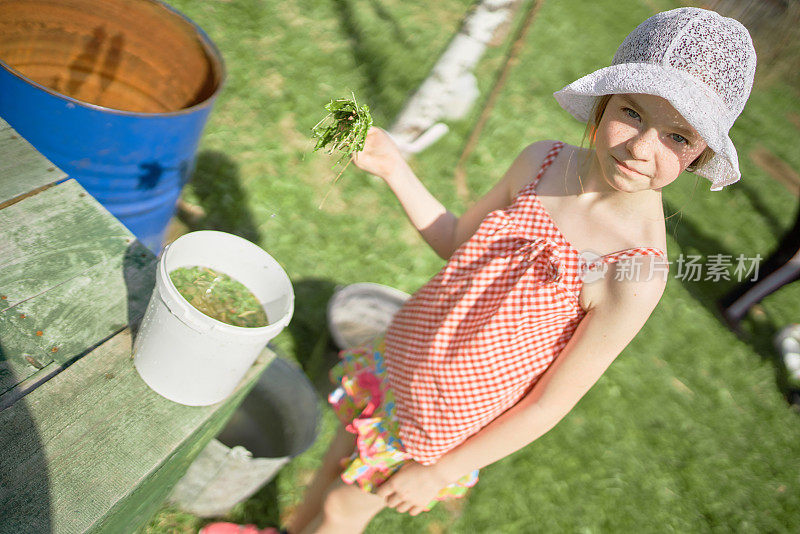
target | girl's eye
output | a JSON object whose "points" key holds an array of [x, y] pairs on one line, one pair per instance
{"points": [[679, 138], [632, 114]]}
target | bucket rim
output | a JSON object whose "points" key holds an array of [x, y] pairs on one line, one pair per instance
{"points": [[215, 324], [208, 44], [265, 391]]}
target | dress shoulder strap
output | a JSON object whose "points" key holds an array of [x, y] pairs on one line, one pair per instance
{"points": [[637, 251], [551, 156], [630, 253]]}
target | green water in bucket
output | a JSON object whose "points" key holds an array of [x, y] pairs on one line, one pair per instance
{"points": [[219, 296]]}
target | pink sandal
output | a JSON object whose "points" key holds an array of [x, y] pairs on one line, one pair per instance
{"points": [[233, 528]]}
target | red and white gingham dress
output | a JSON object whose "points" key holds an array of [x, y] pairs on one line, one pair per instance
{"points": [[474, 340]]}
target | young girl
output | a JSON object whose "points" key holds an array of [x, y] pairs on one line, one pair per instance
{"points": [[534, 302]]}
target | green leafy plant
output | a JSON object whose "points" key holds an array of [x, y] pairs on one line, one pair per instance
{"points": [[344, 129], [347, 129]]}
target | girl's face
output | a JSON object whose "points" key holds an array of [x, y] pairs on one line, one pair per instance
{"points": [[644, 143]]}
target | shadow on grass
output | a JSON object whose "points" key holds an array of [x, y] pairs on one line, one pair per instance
{"points": [[709, 292], [386, 16], [372, 58], [314, 348], [216, 184], [754, 196], [362, 53]]}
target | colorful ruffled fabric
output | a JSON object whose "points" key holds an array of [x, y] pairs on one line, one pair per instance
{"points": [[364, 403]]}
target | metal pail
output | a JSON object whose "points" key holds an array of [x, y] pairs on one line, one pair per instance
{"points": [[114, 92], [276, 422]]}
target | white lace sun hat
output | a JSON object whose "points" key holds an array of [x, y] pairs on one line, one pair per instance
{"points": [[698, 60]]}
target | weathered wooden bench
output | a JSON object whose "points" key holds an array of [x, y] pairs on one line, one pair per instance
{"points": [[85, 444]]}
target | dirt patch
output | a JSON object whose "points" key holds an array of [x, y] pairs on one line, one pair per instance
{"points": [[776, 168], [305, 477], [319, 171], [454, 506], [681, 387], [273, 83], [291, 136], [436, 528], [315, 169], [175, 229], [794, 118]]}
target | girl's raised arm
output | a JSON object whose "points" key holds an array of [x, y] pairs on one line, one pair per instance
{"points": [[440, 228]]}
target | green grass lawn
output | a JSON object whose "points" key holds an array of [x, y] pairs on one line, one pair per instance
{"points": [[686, 432]]}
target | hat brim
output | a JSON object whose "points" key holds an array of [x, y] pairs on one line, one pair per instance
{"points": [[694, 100]]}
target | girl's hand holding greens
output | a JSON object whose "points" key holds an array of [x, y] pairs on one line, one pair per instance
{"points": [[380, 155], [347, 128]]}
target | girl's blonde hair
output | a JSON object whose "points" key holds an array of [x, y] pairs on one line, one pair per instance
{"points": [[594, 122]]}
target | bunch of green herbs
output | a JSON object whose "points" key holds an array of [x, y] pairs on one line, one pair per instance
{"points": [[343, 129], [346, 131]]}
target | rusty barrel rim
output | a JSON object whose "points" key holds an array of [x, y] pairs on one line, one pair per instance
{"points": [[211, 50]]}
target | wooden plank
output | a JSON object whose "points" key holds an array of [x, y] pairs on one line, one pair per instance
{"points": [[53, 236], [64, 321], [22, 168], [23, 387], [96, 449], [18, 373], [71, 275]]}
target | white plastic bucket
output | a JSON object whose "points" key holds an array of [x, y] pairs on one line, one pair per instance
{"points": [[189, 357]]}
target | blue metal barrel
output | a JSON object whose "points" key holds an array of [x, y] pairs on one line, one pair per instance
{"points": [[116, 93]]}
